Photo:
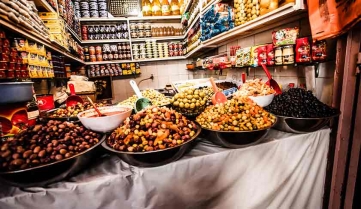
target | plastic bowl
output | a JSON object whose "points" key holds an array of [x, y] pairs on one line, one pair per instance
{"points": [[262, 101], [105, 124]]}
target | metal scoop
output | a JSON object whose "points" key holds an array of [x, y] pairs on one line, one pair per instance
{"points": [[218, 97], [272, 83], [141, 102], [73, 99]]}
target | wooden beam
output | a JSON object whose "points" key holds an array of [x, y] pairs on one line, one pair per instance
{"points": [[354, 158], [346, 117]]}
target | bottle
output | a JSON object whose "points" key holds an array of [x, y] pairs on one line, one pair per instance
{"points": [[175, 10], [33, 110], [146, 8], [165, 8], [156, 8], [181, 6]]}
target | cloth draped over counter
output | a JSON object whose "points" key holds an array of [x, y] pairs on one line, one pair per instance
{"points": [[286, 171]]}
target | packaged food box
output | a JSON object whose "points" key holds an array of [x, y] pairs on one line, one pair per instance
{"points": [[55, 29], [243, 57], [58, 22], [48, 15]]}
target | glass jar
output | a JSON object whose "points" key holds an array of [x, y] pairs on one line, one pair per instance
{"points": [[288, 55], [278, 56]]}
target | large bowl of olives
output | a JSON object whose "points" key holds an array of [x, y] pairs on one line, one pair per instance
{"points": [[191, 102], [299, 111]]}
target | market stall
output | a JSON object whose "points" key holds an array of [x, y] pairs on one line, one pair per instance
{"points": [[286, 171], [174, 104]]}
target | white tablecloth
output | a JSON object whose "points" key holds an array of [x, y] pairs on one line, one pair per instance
{"points": [[287, 172]]}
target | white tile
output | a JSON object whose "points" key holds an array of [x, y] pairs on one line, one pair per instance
{"points": [[263, 37], [154, 83], [184, 77], [173, 78], [163, 81], [222, 49], [246, 42], [326, 70]]}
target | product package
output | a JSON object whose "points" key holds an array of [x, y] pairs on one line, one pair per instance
{"points": [[285, 36], [243, 57], [303, 50]]}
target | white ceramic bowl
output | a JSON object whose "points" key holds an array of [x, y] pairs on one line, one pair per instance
{"points": [[105, 123], [263, 101]]}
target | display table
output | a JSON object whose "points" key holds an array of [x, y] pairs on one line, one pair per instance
{"points": [[286, 171]]}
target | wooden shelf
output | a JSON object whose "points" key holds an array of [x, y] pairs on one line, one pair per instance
{"points": [[164, 38], [105, 41], [73, 33], [35, 36], [109, 62], [158, 19], [44, 4], [206, 8], [103, 19], [161, 59]]}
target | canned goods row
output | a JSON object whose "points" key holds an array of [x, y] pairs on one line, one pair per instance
{"points": [[104, 28], [108, 36], [141, 34], [140, 26], [106, 57], [120, 47]]}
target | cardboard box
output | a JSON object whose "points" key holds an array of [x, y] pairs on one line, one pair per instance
{"points": [[57, 22]]}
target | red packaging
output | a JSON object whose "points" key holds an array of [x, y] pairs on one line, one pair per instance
{"points": [[2, 74], [319, 51], [24, 74], [13, 118], [45, 102], [13, 54], [11, 66], [262, 55], [18, 74], [13, 59], [303, 50], [23, 67], [5, 42], [270, 54], [19, 60], [5, 50], [4, 57], [10, 74], [2, 34], [3, 65]]}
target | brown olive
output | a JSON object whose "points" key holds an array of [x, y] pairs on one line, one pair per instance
{"points": [[37, 149], [58, 157], [17, 162], [42, 153], [27, 153], [67, 155], [63, 151], [16, 156], [33, 156], [6, 154]]}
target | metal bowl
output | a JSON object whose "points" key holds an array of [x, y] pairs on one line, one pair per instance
{"points": [[157, 157], [235, 139], [301, 125], [53, 172], [14, 92]]}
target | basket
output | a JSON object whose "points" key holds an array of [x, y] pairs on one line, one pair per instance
{"points": [[121, 8]]}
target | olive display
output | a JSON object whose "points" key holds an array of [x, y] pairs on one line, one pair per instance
{"points": [[154, 128], [191, 101], [226, 85], [237, 114], [69, 112], [43, 144], [299, 103], [154, 96]]}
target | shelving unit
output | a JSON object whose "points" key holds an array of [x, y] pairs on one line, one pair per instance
{"points": [[103, 19], [75, 35], [205, 8], [164, 38], [109, 62], [105, 41], [160, 59], [33, 35], [44, 4]]}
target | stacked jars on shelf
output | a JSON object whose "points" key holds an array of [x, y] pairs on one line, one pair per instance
{"points": [[152, 49], [91, 8], [114, 69], [105, 32], [107, 52], [140, 30]]}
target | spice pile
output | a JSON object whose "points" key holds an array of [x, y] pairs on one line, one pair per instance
{"points": [[299, 103], [157, 99], [237, 114], [255, 87], [43, 144], [152, 129]]}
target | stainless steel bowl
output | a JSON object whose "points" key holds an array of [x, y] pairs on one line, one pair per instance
{"points": [[14, 92], [235, 139], [53, 172], [301, 125], [154, 158]]}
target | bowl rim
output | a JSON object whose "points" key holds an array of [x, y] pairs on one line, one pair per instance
{"points": [[274, 94], [199, 129], [56, 162], [318, 118], [100, 108], [235, 132]]}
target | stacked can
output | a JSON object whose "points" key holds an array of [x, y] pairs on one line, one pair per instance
{"points": [[77, 8], [166, 51], [93, 8], [102, 7], [155, 49], [160, 50], [148, 46], [175, 49], [120, 51], [84, 9], [105, 32]]}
